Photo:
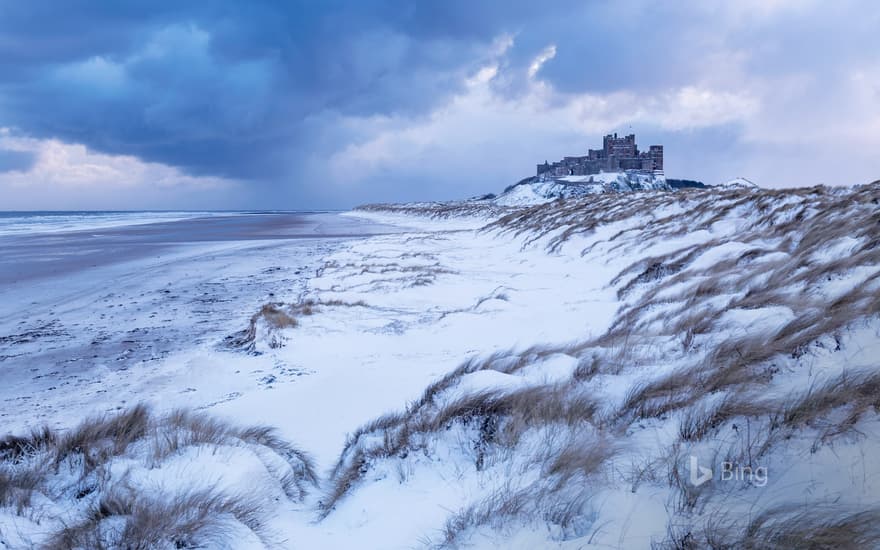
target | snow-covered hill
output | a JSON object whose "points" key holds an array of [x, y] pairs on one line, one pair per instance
{"points": [[738, 183], [684, 370], [537, 190]]}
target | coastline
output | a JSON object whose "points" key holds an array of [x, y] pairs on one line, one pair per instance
{"points": [[83, 311]]}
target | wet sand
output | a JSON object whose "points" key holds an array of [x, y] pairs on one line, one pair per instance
{"points": [[28, 257]]}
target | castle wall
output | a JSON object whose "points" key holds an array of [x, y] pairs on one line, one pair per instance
{"points": [[617, 153]]}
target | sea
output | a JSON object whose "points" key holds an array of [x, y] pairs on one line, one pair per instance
{"points": [[50, 221]]}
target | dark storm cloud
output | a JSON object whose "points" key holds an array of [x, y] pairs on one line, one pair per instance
{"points": [[231, 88]]}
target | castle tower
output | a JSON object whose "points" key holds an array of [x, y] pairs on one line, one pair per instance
{"points": [[656, 154]]}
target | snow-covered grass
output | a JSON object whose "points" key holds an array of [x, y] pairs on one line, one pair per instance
{"points": [[728, 299], [135, 479], [549, 376]]}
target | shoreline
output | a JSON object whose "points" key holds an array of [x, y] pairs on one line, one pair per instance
{"points": [[24, 258], [152, 292]]}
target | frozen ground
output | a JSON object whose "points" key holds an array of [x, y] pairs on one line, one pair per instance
{"points": [[530, 377]]}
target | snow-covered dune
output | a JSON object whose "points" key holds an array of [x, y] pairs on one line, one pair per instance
{"points": [[540, 190], [680, 369], [736, 330]]}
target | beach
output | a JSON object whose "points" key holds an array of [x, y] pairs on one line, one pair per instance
{"points": [[94, 300]]}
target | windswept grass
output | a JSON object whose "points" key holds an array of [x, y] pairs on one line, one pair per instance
{"points": [[732, 291], [560, 500], [440, 210], [854, 394], [277, 316], [497, 419], [122, 518], [74, 471], [781, 528]]}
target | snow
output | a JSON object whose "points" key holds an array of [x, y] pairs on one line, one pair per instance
{"points": [[739, 183], [396, 312], [539, 191], [522, 195]]}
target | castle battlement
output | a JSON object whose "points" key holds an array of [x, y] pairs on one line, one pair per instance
{"points": [[617, 154]]}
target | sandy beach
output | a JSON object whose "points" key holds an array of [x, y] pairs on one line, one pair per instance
{"points": [[77, 306]]}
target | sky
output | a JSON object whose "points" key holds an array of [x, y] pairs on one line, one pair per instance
{"points": [[328, 104]]}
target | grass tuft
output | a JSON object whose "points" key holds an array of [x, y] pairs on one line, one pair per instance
{"points": [[77, 471]]}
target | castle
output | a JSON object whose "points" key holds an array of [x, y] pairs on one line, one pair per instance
{"points": [[617, 154]]}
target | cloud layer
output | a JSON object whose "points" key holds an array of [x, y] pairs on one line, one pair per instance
{"points": [[330, 104]]}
